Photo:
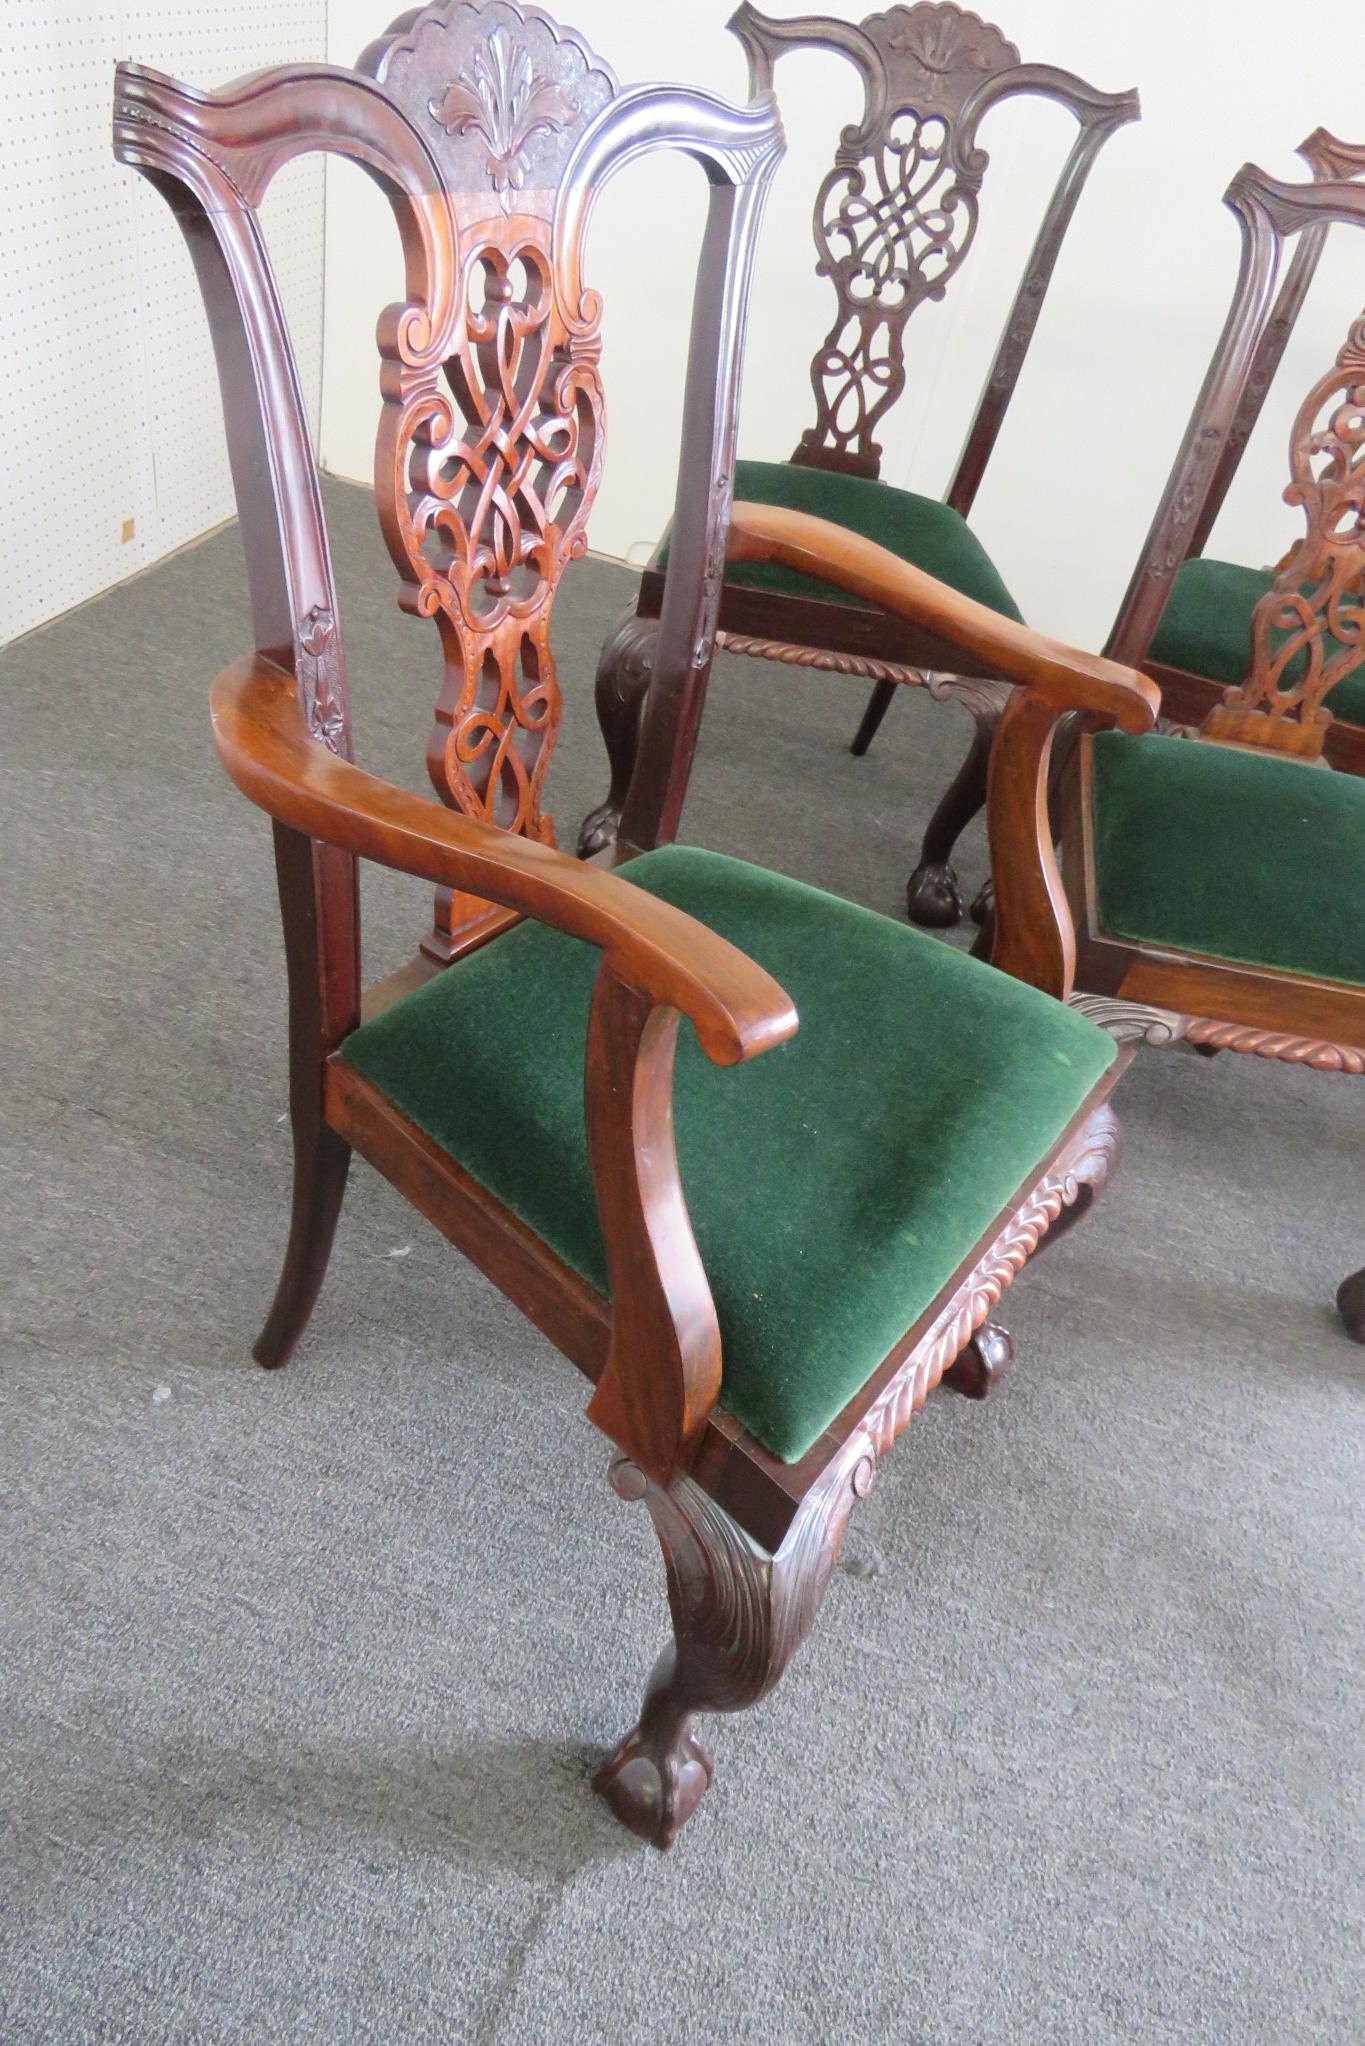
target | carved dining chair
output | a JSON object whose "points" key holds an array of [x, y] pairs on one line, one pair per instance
{"points": [[1187, 617], [894, 220], [1213, 876], [761, 1253]]}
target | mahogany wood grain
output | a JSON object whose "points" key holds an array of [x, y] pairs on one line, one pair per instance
{"points": [[491, 130], [263, 740]]}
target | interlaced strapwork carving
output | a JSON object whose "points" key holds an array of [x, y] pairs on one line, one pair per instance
{"points": [[1308, 631], [502, 465], [897, 213], [490, 445]]}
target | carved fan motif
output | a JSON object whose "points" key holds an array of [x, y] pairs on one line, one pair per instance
{"points": [[503, 90], [935, 54], [1308, 631], [897, 214], [499, 97]]}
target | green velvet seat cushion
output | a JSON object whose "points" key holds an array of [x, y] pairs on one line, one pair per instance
{"points": [[1249, 857], [835, 1184], [920, 530], [1206, 630]]}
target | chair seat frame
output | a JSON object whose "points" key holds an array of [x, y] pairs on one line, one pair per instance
{"points": [[476, 184]]}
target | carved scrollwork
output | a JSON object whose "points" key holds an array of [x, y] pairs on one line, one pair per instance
{"points": [[500, 468], [1139, 1023], [984, 698], [1308, 631], [1130, 1022], [897, 213]]}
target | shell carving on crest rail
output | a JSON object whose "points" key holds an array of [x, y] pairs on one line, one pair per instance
{"points": [[896, 215], [502, 91], [499, 97], [1308, 631]]}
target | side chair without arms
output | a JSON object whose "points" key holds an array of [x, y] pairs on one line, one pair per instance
{"points": [[894, 221], [762, 1271]]}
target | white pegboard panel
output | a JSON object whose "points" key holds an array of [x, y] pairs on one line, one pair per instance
{"points": [[109, 408]]}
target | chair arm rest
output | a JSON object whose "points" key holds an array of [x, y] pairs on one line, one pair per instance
{"points": [[1059, 675], [265, 744]]}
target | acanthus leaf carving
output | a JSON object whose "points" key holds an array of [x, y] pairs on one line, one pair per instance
{"points": [[499, 96]]}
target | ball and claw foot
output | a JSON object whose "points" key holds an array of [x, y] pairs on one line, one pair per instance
{"points": [[1351, 1305], [655, 1782], [598, 830], [984, 906], [931, 897], [980, 1367]]}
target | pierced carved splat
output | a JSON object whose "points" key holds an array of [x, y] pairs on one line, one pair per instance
{"points": [[897, 213], [1308, 631], [490, 448]]}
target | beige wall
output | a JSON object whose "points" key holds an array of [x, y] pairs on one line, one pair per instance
{"points": [[1135, 307]]}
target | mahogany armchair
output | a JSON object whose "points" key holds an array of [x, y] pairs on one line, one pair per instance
{"points": [[894, 221], [761, 1254]]}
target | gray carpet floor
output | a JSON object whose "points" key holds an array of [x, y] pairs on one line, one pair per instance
{"points": [[303, 1676]]}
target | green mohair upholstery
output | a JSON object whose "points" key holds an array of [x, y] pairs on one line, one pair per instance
{"points": [[835, 1184], [919, 529], [1206, 630], [1244, 856]]}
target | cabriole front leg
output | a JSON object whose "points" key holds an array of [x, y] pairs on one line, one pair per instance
{"points": [[623, 673], [739, 1615], [931, 895]]}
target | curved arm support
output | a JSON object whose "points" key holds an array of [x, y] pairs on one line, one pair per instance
{"points": [[264, 742], [1058, 675], [663, 1370]]}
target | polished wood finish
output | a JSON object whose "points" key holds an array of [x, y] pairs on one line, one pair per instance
{"points": [[894, 219], [1033, 935], [491, 129]]}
